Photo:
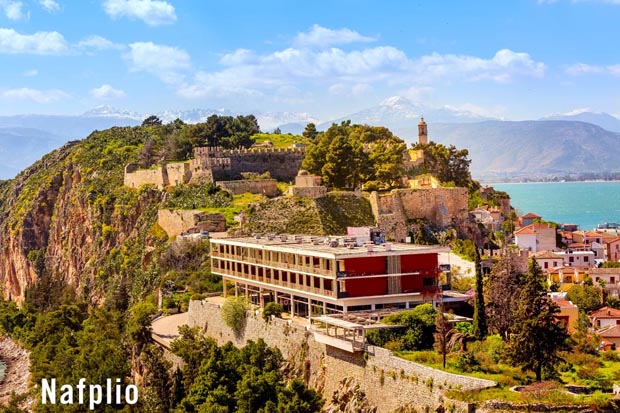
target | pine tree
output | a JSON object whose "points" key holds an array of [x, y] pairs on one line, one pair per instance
{"points": [[480, 319], [443, 329], [536, 337]]}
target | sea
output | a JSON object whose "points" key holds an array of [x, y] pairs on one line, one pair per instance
{"points": [[584, 203]]}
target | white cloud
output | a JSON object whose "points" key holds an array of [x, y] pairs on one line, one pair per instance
{"points": [[13, 9], [106, 92], [579, 69], [42, 43], [30, 73], [152, 12], [340, 71], [98, 43], [503, 67], [165, 62], [49, 5], [34, 95], [319, 36]]}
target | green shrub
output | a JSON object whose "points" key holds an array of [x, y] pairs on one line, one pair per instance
{"points": [[234, 313], [272, 308]]}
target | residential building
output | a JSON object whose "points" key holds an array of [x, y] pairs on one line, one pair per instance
{"points": [[610, 276], [577, 258], [605, 317], [612, 249], [587, 237], [610, 338], [569, 312], [566, 276], [548, 259], [491, 218], [536, 237], [327, 275], [528, 219]]}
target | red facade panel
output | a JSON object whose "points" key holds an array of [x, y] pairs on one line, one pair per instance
{"points": [[426, 264], [365, 265], [370, 286], [411, 283]]}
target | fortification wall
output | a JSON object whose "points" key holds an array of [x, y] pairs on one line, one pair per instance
{"points": [[268, 187], [312, 192], [388, 381], [177, 221], [440, 206], [135, 178], [178, 173]]}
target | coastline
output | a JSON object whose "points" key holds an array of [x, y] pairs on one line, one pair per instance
{"points": [[16, 374]]}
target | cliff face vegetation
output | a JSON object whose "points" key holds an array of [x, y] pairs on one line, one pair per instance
{"points": [[68, 221]]}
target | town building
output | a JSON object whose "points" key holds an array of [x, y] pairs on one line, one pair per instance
{"points": [[536, 237], [610, 338], [569, 312], [312, 276], [548, 259], [577, 258], [610, 276], [605, 317], [528, 219], [612, 249]]}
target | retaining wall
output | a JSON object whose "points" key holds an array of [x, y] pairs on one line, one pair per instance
{"points": [[267, 187], [388, 381]]}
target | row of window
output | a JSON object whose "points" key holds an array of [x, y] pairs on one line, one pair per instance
{"points": [[273, 257], [272, 276]]}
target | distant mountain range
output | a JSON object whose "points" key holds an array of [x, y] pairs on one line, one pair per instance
{"points": [[576, 142]]}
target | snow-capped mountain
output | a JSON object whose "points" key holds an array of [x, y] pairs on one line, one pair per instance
{"points": [[106, 111], [602, 119], [398, 112]]}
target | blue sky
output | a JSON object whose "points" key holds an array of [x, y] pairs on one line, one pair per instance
{"points": [[512, 59]]}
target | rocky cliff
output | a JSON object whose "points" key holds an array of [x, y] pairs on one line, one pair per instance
{"points": [[67, 220]]}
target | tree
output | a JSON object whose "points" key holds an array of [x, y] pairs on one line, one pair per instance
{"points": [[447, 163], [339, 163], [480, 319], [502, 290], [146, 157], [443, 329], [152, 121], [537, 337], [234, 312], [310, 132], [586, 297]]}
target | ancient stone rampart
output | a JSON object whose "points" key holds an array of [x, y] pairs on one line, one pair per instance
{"points": [[440, 206], [178, 221], [388, 381], [135, 178], [268, 187]]}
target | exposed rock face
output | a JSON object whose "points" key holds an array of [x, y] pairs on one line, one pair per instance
{"points": [[62, 218], [349, 398]]}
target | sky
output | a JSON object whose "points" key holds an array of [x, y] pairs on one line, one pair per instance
{"points": [[520, 59]]}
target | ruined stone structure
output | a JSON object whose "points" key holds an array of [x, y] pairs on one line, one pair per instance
{"points": [[217, 164], [307, 186], [214, 164], [178, 221], [378, 373], [440, 206], [268, 187]]}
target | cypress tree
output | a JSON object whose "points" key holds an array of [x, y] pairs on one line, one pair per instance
{"points": [[480, 319], [537, 337]]}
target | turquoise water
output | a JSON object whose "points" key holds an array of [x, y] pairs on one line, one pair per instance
{"points": [[585, 203]]}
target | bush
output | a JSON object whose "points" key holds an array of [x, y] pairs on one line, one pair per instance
{"points": [[272, 308], [234, 312]]}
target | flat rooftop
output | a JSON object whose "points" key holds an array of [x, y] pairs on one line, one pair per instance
{"points": [[329, 246]]}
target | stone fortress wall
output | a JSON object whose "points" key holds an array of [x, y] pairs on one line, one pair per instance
{"points": [[178, 221], [440, 206], [268, 187], [217, 164], [388, 381]]}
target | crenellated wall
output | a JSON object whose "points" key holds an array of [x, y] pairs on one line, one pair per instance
{"points": [[177, 221], [379, 373]]}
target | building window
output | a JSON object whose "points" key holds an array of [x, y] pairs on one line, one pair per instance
{"points": [[586, 259], [571, 259], [546, 265]]}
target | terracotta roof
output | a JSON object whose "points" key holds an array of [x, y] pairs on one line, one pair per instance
{"points": [[611, 271], [592, 234], [547, 254], [611, 332], [531, 229], [530, 215], [611, 240], [605, 312], [564, 303], [578, 245]]}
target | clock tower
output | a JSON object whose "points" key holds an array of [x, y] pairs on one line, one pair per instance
{"points": [[422, 132]]}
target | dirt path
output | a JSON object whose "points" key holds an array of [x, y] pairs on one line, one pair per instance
{"points": [[16, 375]]}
